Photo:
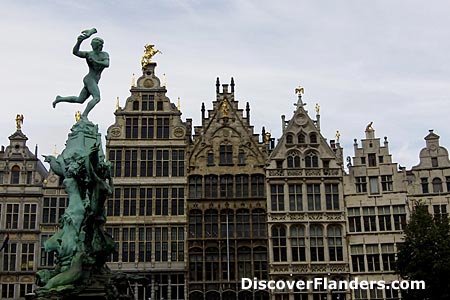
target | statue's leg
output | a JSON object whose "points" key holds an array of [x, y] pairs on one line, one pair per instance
{"points": [[84, 94], [95, 92]]}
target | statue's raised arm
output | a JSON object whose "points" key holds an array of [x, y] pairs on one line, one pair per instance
{"points": [[97, 61]]}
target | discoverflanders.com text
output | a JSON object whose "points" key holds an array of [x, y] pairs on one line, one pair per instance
{"points": [[328, 284]]}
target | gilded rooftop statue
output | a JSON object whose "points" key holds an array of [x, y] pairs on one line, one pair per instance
{"points": [[149, 52]]}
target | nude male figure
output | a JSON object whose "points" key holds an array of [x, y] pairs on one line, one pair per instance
{"points": [[97, 61]]}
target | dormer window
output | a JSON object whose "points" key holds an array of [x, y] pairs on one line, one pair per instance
{"points": [[434, 162], [301, 138], [289, 139], [313, 138], [15, 175]]}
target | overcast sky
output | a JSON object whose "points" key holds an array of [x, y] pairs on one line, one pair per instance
{"points": [[381, 61]]}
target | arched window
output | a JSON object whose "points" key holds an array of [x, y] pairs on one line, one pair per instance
{"points": [[279, 243], [260, 262], [195, 265], [335, 243], [313, 138], [15, 175], [301, 138], [211, 264], [226, 223], [311, 160], [437, 185], [244, 262], [211, 186], [298, 246], [258, 223], [316, 240], [211, 223], [293, 160], [289, 139], [243, 223]]}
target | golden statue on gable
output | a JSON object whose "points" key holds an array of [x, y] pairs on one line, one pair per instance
{"points": [[149, 52], [299, 90], [19, 121], [225, 109]]}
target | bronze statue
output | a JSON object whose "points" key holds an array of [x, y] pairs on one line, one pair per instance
{"points": [[19, 121], [97, 61]]}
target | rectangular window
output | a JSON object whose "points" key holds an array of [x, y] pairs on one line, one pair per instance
{"points": [[177, 244], [130, 163], [363, 160], [295, 197], [29, 216], [145, 201], [115, 157], [277, 197], [161, 246], [162, 128], [384, 218], [226, 154], [354, 219], [361, 184], [177, 207], [373, 181], [226, 186], [113, 204], [332, 196], [258, 186], [147, 128], [29, 177], [12, 216], [129, 202], [195, 187], [373, 257], [440, 210], [241, 186], [159, 105], [372, 160], [177, 162], [131, 128], [161, 201], [210, 159], [146, 162], [380, 159], [8, 291], [9, 257], [388, 257], [27, 259], [47, 258], [386, 183], [128, 244], [148, 102], [53, 209], [399, 213], [424, 183], [211, 186], [145, 244], [313, 195], [162, 163], [369, 219], [434, 162], [114, 232], [25, 288], [2, 177]]}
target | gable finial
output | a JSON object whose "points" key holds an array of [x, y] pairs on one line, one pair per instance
{"points": [[299, 91]]}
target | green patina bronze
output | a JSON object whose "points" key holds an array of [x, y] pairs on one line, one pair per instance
{"points": [[97, 61], [81, 244]]}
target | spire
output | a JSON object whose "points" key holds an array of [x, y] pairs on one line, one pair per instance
{"points": [[217, 85], [117, 103], [164, 81], [133, 81], [203, 110], [232, 85], [178, 104], [247, 109]]}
